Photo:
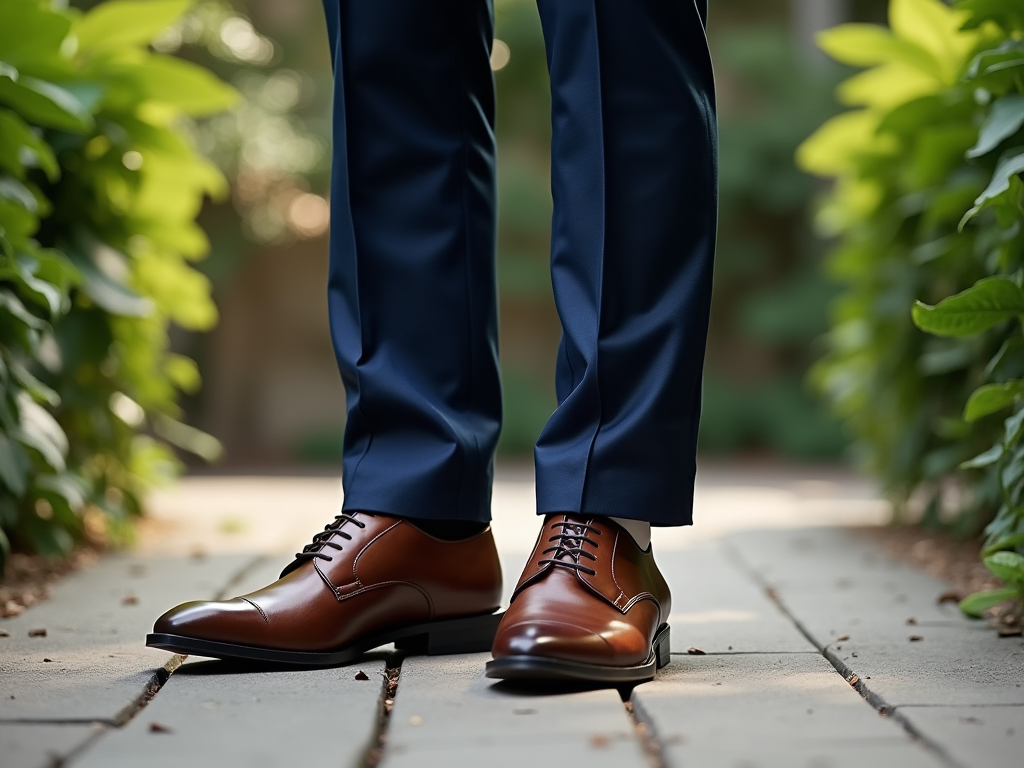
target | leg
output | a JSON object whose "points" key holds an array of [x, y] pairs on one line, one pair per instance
{"points": [[412, 277], [633, 179], [413, 318], [634, 184]]}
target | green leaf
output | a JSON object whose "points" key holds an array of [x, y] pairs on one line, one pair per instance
{"points": [[31, 32], [989, 457], [187, 86], [1011, 164], [47, 537], [39, 391], [45, 104], [990, 398], [989, 301], [17, 139], [1013, 427], [13, 305], [38, 429], [12, 189], [109, 293], [120, 24], [1009, 357], [66, 485], [975, 605], [14, 465], [1003, 121], [1008, 566], [1009, 542], [865, 45], [1007, 13]]}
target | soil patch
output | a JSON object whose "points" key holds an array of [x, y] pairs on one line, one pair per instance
{"points": [[27, 579], [950, 559]]}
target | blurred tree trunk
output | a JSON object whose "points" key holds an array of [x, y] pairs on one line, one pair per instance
{"points": [[811, 16]]}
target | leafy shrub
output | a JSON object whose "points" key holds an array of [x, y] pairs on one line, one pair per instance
{"points": [[98, 196], [928, 201]]}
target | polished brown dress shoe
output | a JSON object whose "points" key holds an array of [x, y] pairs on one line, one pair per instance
{"points": [[366, 580], [591, 605]]}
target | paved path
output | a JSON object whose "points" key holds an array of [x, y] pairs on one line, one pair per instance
{"points": [[807, 653]]}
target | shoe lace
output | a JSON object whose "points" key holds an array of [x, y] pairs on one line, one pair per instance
{"points": [[314, 550], [568, 543]]}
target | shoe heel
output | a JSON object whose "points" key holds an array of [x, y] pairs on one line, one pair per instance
{"points": [[474, 634], [663, 647]]}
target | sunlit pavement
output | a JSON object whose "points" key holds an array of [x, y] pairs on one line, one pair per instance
{"points": [[276, 514], [795, 640]]}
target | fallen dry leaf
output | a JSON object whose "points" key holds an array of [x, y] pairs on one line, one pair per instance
{"points": [[842, 638], [4, 633], [37, 633], [600, 741], [853, 680], [360, 675], [159, 728], [695, 651], [949, 596], [1010, 631], [130, 600], [911, 621], [915, 638]]}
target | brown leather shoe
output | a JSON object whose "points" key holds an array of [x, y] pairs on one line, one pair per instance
{"points": [[366, 580], [591, 605]]}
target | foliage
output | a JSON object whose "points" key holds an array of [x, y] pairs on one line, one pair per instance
{"points": [[98, 195], [927, 201]]}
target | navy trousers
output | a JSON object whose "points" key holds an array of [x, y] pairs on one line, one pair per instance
{"points": [[412, 275]]}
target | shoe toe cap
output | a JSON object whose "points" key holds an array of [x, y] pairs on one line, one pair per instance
{"points": [[225, 621], [553, 639]]}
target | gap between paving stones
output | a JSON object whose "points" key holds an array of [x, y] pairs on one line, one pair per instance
{"points": [[159, 679], [164, 673], [653, 746], [389, 690], [875, 700]]}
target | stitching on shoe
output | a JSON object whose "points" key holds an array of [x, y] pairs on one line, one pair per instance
{"points": [[366, 546], [615, 580], [250, 602]]}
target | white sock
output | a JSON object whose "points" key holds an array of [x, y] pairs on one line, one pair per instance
{"points": [[638, 529]]}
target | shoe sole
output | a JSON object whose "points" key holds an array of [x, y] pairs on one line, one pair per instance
{"points": [[472, 634], [526, 667]]}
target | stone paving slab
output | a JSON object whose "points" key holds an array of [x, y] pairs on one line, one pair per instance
{"points": [[718, 608], [836, 585], [767, 710], [447, 714], [95, 625], [213, 714], [975, 736], [43, 746]]}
